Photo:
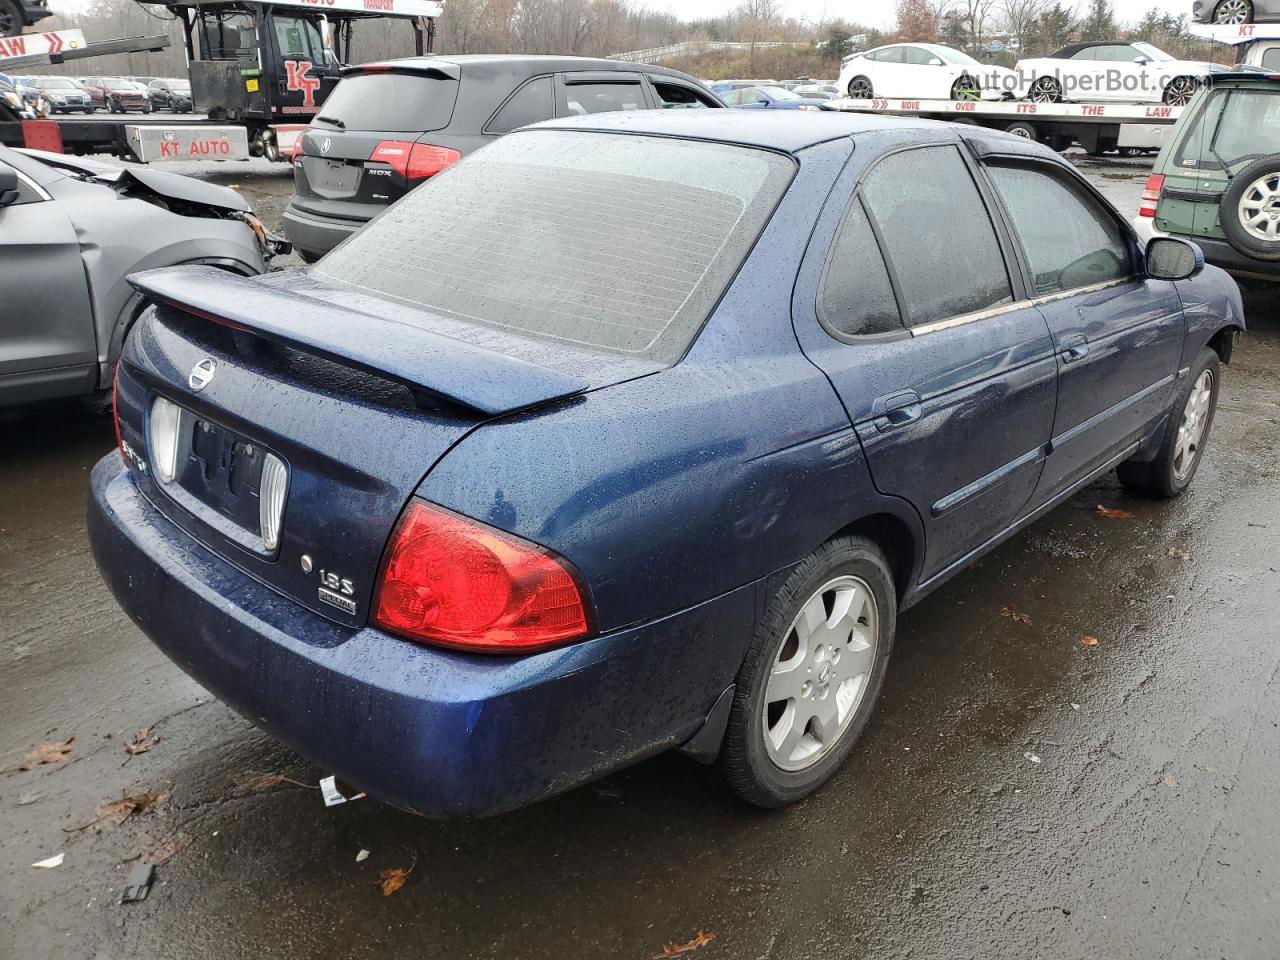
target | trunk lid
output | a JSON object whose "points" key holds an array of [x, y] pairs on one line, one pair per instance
{"points": [[357, 398]]}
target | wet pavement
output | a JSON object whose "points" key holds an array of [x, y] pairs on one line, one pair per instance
{"points": [[1019, 793]]}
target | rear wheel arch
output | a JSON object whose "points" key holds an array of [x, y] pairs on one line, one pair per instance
{"points": [[902, 545]]}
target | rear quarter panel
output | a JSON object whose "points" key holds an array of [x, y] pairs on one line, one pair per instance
{"points": [[680, 486]]}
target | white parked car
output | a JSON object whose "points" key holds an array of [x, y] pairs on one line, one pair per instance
{"points": [[924, 71], [1124, 72]]}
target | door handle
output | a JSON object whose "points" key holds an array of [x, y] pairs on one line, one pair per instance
{"points": [[1074, 348], [896, 410]]}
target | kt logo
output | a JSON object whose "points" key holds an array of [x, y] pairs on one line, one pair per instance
{"points": [[298, 77]]}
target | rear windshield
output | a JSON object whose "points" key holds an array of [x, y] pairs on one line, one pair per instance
{"points": [[1231, 128], [605, 241], [392, 102], [58, 85]]}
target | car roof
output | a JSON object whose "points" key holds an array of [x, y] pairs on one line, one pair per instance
{"points": [[1072, 49], [788, 131], [477, 62]]}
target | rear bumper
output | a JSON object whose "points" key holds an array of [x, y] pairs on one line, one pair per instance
{"points": [[316, 235], [428, 730]]}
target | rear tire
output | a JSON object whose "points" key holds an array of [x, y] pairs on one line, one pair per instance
{"points": [[1185, 438], [1180, 91], [1233, 11], [1045, 90], [789, 730], [860, 88], [1027, 131]]}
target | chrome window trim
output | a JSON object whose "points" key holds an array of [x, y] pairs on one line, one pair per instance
{"points": [[1004, 308]]}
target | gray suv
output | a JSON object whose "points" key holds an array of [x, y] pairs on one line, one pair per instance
{"points": [[388, 127]]}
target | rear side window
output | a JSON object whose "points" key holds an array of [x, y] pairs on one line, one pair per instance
{"points": [[604, 241], [1271, 59], [582, 98], [393, 102], [1078, 246], [857, 298], [672, 96], [533, 102], [938, 236]]}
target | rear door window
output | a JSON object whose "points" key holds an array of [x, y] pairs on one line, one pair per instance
{"points": [[606, 242], [584, 98], [533, 102], [1080, 245], [938, 236], [393, 101]]}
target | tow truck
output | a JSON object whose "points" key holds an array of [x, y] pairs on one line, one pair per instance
{"points": [[259, 71], [1131, 128]]}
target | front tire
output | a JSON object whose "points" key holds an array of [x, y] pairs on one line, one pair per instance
{"points": [[812, 675], [1185, 435], [966, 88]]}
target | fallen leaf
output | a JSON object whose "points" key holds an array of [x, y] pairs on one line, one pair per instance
{"points": [[1177, 554], [394, 878], [166, 849], [112, 813], [362, 856], [49, 864], [1017, 615], [1089, 641], [700, 939], [52, 751], [142, 742], [1111, 513]]}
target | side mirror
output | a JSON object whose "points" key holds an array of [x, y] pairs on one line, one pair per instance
{"points": [[1169, 258], [1141, 61], [8, 186]]}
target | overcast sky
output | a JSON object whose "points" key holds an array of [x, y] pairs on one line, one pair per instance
{"points": [[880, 13]]}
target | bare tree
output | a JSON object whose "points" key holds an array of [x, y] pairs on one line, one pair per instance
{"points": [[1020, 17]]}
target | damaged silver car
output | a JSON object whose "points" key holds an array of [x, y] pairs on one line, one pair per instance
{"points": [[71, 231]]}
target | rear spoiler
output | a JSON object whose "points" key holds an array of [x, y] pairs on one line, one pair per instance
{"points": [[436, 368]]}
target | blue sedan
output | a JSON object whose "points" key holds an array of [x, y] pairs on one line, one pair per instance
{"points": [[767, 97], [635, 432]]}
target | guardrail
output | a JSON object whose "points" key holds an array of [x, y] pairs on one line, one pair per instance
{"points": [[694, 47]]}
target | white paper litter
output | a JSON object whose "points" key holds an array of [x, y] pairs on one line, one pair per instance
{"points": [[362, 855], [50, 863]]}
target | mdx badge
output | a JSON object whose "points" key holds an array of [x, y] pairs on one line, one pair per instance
{"points": [[201, 374]]}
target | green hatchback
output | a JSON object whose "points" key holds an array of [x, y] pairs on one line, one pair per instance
{"points": [[1217, 180]]}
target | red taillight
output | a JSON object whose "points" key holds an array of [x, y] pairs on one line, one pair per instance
{"points": [[115, 412], [458, 583], [414, 161], [1151, 195]]}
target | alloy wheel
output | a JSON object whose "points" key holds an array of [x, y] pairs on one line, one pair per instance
{"points": [[1259, 208], [1195, 421], [1180, 91], [1045, 90], [860, 89], [821, 673], [1233, 11]]}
